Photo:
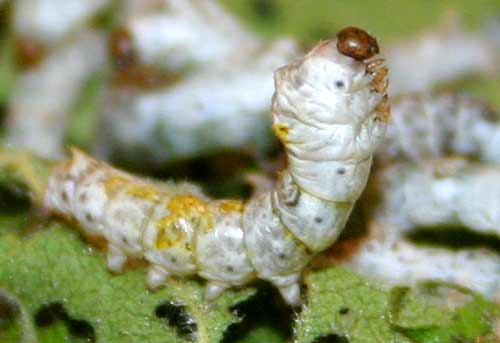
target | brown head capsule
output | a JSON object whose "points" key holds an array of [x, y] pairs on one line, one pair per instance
{"points": [[356, 43]]}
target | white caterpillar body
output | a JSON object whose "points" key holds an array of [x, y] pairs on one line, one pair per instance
{"points": [[429, 126], [397, 261], [321, 121], [228, 114], [175, 36], [447, 192], [39, 107], [457, 193], [51, 21]]}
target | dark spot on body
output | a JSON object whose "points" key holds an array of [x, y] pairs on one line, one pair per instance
{"points": [[173, 259], [230, 269], [281, 256], [341, 171], [339, 84], [318, 220], [64, 196], [88, 217]]}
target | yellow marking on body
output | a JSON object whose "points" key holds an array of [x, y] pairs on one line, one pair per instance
{"points": [[115, 183], [144, 191], [228, 206], [185, 210], [282, 131], [168, 234]]}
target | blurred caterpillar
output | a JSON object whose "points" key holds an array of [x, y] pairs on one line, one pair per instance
{"points": [[329, 109], [430, 126], [457, 193], [437, 194]]}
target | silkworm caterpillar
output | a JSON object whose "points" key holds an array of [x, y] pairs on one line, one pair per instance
{"points": [[329, 112], [428, 126], [174, 36], [397, 261], [39, 106]]}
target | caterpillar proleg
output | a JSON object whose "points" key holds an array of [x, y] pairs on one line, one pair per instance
{"points": [[330, 110]]}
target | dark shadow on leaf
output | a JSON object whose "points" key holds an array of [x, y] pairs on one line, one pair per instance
{"points": [[13, 200], [331, 339], [8, 312], [264, 308], [50, 314], [454, 238], [177, 317]]}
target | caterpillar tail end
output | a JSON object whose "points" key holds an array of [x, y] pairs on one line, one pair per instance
{"points": [[26, 168]]}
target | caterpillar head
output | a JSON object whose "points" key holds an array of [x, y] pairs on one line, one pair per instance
{"points": [[339, 86]]}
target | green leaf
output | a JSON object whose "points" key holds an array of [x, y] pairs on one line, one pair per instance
{"points": [[440, 313], [342, 303], [55, 266], [7, 68], [85, 113]]}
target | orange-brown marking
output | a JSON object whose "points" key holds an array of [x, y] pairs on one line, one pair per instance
{"points": [[379, 71]]}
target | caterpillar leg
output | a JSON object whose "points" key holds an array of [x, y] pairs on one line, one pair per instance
{"points": [[156, 277], [116, 259], [213, 290], [289, 288]]}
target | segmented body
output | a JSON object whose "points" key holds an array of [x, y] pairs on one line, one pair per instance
{"points": [[437, 194], [425, 137], [429, 126], [329, 111]]}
